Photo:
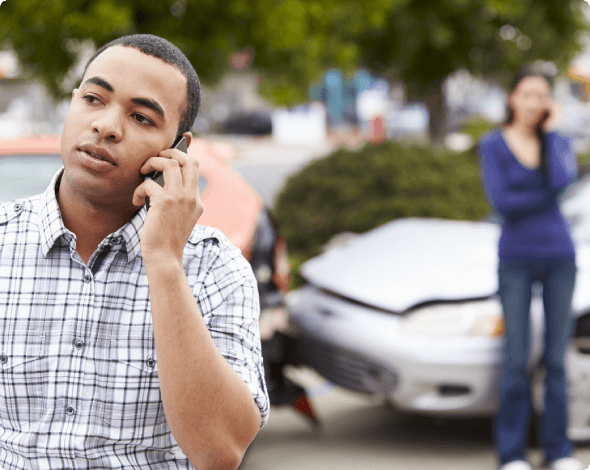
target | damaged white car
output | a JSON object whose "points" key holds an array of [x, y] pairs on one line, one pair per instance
{"points": [[409, 311]]}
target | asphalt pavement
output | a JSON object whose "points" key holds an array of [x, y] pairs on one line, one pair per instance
{"points": [[266, 164], [266, 150], [360, 432]]}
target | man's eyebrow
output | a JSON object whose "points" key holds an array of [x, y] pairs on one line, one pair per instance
{"points": [[153, 105], [100, 82]]}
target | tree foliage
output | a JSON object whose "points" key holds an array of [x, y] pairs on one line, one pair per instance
{"points": [[418, 42], [295, 41], [47, 35], [355, 191], [425, 41]]}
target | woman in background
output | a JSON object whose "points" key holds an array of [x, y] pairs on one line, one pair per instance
{"points": [[525, 166]]}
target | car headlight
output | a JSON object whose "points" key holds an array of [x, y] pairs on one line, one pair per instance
{"points": [[472, 318]]}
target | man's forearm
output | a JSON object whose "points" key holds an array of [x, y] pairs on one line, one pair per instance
{"points": [[208, 407]]}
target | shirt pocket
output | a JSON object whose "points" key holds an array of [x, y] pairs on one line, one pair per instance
{"points": [[133, 411], [23, 378]]}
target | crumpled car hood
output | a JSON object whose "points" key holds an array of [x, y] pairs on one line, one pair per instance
{"points": [[411, 261]]}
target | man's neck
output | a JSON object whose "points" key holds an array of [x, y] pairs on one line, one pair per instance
{"points": [[91, 223]]}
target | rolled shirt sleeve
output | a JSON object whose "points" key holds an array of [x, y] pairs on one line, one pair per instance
{"points": [[225, 288]]}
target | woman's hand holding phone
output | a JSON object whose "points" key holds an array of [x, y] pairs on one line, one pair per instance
{"points": [[550, 117]]}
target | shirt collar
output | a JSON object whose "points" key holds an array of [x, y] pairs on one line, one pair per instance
{"points": [[51, 226]]}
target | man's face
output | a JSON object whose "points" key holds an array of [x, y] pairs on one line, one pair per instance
{"points": [[126, 110]]}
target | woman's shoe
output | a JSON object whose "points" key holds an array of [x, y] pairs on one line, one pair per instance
{"points": [[566, 463], [517, 465]]}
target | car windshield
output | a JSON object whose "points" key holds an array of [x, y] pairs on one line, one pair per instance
{"points": [[26, 175]]}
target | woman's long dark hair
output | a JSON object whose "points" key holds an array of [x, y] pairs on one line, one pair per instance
{"points": [[531, 71]]}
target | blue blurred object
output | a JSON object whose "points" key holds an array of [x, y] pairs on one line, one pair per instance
{"points": [[362, 81], [334, 97], [341, 96]]}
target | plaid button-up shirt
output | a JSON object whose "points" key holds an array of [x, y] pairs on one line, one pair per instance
{"points": [[78, 366]]}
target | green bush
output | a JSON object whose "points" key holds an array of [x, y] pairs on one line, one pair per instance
{"points": [[584, 161], [354, 191], [476, 126]]}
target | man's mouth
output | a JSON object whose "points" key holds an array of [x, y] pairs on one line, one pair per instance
{"points": [[93, 155], [98, 153]]}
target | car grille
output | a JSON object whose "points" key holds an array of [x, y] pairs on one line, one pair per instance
{"points": [[346, 368]]}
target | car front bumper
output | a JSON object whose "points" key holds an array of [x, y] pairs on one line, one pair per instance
{"points": [[364, 349]]}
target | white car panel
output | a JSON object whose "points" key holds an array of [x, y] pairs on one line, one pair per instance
{"points": [[352, 316], [410, 261], [366, 350]]}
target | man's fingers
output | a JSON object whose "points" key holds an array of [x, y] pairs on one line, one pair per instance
{"points": [[148, 188], [172, 154], [190, 174], [189, 167], [157, 164], [170, 167]]}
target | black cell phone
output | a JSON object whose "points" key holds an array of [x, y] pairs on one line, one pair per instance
{"points": [[158, 176]]}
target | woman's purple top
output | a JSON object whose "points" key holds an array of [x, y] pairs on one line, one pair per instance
{"points": [[533, 225]]}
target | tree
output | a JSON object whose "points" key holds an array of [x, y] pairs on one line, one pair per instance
{"points": [[295, 41], [418, 42], [424, 42], [47, 36]]}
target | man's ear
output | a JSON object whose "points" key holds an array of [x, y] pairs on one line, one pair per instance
{"points": [[188, 136]]}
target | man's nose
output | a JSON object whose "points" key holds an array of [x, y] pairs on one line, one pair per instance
{"points": [[109, 125]]}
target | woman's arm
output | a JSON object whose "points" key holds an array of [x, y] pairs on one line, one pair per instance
{"points": [[562, 165], [506, 200]]}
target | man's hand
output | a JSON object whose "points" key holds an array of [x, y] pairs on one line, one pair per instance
{"points": [[174, 208], [197, 384]]}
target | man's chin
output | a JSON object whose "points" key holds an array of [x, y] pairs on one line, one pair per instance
{"points": [[84, 187]]}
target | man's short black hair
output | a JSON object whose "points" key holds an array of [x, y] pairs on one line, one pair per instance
{"points": [[168, 52]]}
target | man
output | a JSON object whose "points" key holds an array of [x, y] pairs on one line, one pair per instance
{"points": [[128, 338]]}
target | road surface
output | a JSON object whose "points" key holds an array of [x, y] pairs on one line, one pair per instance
{"points": [[364, 433]]}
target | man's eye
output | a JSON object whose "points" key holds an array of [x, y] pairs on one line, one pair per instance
{"points": [[91, 99], [142, 119]]}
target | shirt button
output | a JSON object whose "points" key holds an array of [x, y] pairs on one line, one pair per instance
{"points": [[114, 241], [79, 344], [87, 278], [151, 362], [70, 410], [3, 359], [18, 207]]}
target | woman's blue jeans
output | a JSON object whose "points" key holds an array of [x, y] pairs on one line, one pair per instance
{"points": [[516, 278]]}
